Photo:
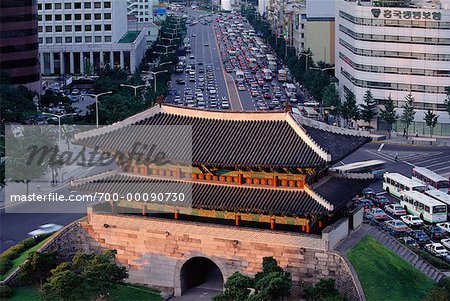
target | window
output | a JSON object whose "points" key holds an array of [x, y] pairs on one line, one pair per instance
{"points": [[98, 39], [67, 17], [77, 5], [107, 5], [107, 27], [87, 5], [39, 6], [107, 16], [68, 28], [39, 28], [58, 40], [77, 16], [48, 29], [58, 6], [48, 6], [87, 28], [58, 28], [58, 17], [48, 40], [77, 27], [78, 39], [97, 16], [48, 17], [68, 5], [68, 39], [88, 39], [98, 28], [107, 39], [40, 40], [87, 16], [97, 5]]}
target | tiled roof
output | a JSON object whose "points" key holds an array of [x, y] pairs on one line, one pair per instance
{"points": [[337, 145], [339, 191], [225, 197]]}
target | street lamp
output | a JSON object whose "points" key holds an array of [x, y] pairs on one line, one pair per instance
{"points": [[165, 46], [154, 73], [59, 121], [134, 87], [322, 69], [307, 55], [96, 96], [165, 53], [170, 39]]}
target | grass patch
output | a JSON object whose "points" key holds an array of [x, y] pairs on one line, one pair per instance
{"points": [[386, 276], [21, 259], [121, 293]]}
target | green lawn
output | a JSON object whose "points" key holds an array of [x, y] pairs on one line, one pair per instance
{"points": [[121, 293], [386, 276], [19, 260]]}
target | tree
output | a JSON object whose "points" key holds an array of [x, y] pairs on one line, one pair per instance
{"points": [[431, 119], [325, 289], [16, 103], [408, 112], [64, 284], [447, 100], [389, 115], [236, 288], [37, 267], [368, 108], [330, 96], [349, 109]]}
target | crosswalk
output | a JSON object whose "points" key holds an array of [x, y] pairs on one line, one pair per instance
{"points": [[438, 162]]}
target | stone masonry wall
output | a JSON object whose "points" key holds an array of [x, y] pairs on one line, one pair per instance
{"points": [[154, 250]]}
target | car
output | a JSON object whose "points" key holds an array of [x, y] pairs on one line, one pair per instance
{"points": [[435, 231], [437, 249], [267, 95], [192, 78], [446, 243], [206, 44], [376, 213], [366, 203], [177, 99], [380, 201], [412, 220], [420, 236], [255, 93], [395, 209], [45, 229], [194, 35], [368, 192], [181, 81], [396, 225], [409, 241], [212, 91], [241, 88], [445, 226]]}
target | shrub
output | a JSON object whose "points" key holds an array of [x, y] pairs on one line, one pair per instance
{"points": [[5, 264], [5, 291], [14, 251]]}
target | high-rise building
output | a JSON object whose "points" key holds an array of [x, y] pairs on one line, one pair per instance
{"points": [[140, 17], [19, 42], [78, 36], [395, 48]]}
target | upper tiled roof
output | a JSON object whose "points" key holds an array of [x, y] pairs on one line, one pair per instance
{"points": [[225, 197], [255, 139]]}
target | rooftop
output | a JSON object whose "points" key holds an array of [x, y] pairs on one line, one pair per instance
{"points": [[129, 37]]}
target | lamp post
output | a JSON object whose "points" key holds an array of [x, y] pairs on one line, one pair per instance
{"points": [[165, 46], [307, 55], [170, 39], [96, 96], [154, 73], [59, 121], [134, 87], [322, 69], [164, 53]]}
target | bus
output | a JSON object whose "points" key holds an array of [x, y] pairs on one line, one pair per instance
{"points": [[427, 208], [395, 184], [290, 90], [369, 166], [282, 75], [441, 196], [431, 178], [267, 74]]}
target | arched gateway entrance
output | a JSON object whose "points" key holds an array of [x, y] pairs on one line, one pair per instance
{"points": [[201, 273]]}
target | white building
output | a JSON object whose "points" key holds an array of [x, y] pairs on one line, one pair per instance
{"points": [[77, 36], [225, 4], [395, 50], [140, 17]]}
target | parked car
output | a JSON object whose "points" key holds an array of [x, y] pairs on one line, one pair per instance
{"points": [[396, 225], [435, 231], [420, 236], [376, 213], [395, 209], [411, 220], [380, 201], [437, 249], [45, 229]]}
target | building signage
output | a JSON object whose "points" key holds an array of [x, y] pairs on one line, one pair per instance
{"points": [[406, 14]]}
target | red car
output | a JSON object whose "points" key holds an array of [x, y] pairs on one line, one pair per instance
{"points": [[267, 96]]}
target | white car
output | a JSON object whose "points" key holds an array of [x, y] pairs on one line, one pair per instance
{"points": [[444, 226], [411, 220], [395, 209], [376, 213], [437, 249], [446, 243], [45, 229]]}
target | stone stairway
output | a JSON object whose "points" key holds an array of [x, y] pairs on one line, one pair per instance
{"points": [[402, 251]]}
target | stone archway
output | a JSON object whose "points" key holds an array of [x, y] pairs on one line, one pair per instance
{"points": [[198, 272]]}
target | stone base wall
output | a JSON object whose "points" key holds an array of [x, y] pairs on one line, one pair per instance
{"points": [[154, 250]]}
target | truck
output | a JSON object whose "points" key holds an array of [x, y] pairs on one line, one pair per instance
{"points": [[240, 76]]}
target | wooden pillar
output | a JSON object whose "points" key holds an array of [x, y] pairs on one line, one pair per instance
{"points": [[272, 224], [143, 210], [308, 228], [320, 224], [237, 219], [240, 179], [303, 228], [275, 181], [176, 214]]}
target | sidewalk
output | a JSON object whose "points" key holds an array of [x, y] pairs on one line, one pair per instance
{"points": [[400, 139]]}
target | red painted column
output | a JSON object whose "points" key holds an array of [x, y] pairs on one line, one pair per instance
{"points": [[237, 219], [272, 224], [176, 213]]}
